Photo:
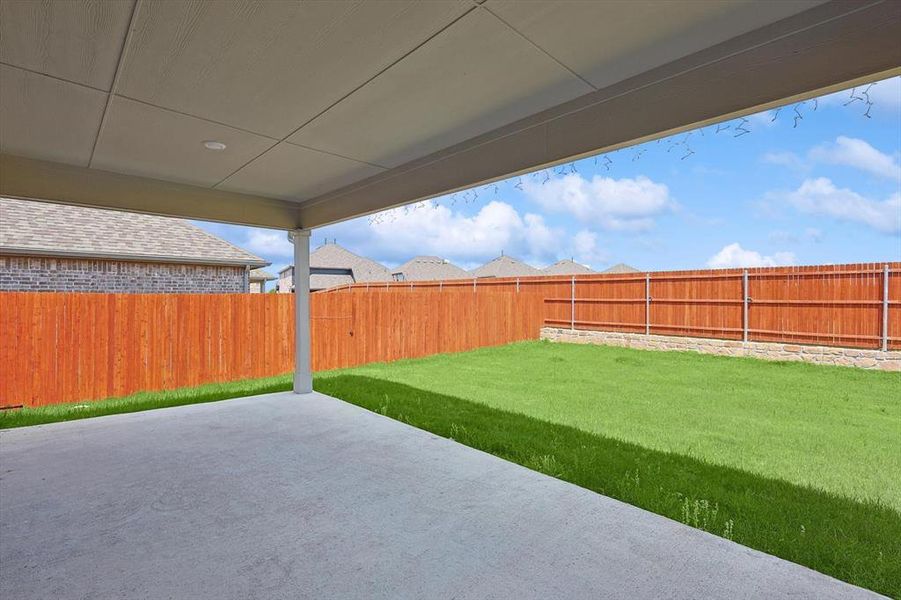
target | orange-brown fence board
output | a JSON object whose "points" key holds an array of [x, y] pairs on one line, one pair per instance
{"points": [[65, 347], [359, 326]]}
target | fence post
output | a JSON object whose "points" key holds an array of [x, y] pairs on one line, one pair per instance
{"points": [[517, 285], [473, 285], [572, 304], [885, 274], [441, 285], [647, 304], [744, 305]]}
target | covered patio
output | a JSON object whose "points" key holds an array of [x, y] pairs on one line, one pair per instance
{"points": [[268, 497], [297, 115]]}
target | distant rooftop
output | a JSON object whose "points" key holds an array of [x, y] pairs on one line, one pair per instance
{"points": [[35, 228], [332, 256], [261, 275], [505, 266], [566, 267], [621, 268], [428, 268]]}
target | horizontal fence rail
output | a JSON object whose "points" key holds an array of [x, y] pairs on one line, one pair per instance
{"points": [[855, 305], [68, 347]]}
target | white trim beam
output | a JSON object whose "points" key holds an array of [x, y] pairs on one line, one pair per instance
{"points": [[29, 178]]}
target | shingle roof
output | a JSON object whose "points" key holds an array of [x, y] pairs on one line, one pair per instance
{"points": [[430, 268], [261, 275], [505, 266], [333, 256], [566, 267], [41, 228], [325, 281], [621, 268]]}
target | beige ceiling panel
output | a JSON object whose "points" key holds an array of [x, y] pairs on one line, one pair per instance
{"points": [[294, 173], [606, 41], [46, 118], [475, 76], [76, 40], [138, 139], [269, 67]]}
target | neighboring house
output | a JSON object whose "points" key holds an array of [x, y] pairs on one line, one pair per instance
{"points": [[566, 267], [428, 268], [332, 265], [55, 247], [504, 266], [258, 279], [285, 283], [621, 268]]}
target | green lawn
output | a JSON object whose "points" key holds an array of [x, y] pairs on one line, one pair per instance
{"points": [[142, 401], [797, 460]]}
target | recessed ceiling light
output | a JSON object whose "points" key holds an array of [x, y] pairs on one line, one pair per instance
{"points": [[214, 145]]}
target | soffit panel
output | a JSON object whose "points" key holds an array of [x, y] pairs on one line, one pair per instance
{"points": [[269, 67], [290, 172], [139, 139], [473, 77], [606, 42], [48, 118], [74, 40]]}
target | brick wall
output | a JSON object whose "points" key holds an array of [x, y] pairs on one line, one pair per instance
{"points": [[36, 274], [823, 355]]}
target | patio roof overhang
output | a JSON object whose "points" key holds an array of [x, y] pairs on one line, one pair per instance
{"points": [[333, 110]]}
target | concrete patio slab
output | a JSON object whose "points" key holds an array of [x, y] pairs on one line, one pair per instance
{"points": [[284, 496]]}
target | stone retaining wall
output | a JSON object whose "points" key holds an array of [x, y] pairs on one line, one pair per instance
{"points": [[824, 355]]}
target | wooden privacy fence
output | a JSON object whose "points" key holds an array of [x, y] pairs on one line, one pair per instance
{"points": [[857, 305], [72, 347], [835, 305], [67, 347]]}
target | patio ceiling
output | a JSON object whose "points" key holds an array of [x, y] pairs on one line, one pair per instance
{"points": [[330, 110]]}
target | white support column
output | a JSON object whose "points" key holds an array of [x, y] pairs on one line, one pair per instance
{"points": [[303, 376]]}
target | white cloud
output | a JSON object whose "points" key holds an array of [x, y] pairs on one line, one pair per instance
{"points": [[857, 153], [613, 204], [821, 197], [734, 255], [269, 243], [437, 229], [587, 250], [813, 234], [785, 159], [783, 237]]}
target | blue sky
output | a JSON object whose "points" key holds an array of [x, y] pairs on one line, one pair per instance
{"points": [[823, 188]]}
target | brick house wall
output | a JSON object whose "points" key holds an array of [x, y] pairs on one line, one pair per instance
{"points": [[36, 274]]}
